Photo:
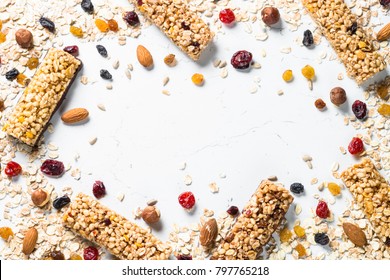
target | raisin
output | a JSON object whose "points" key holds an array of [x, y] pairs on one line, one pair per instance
{"points": [[87, 6], [60, 202], [385, 3], [113, 25], [334, 188], [187, 200], [21, 79], [75, 257], [57, 255], [241, 59], [76, 31], [320, 104], [12, 74], [91, 253], [233, 210], [98, 189], [131, 18], [53, 168], [73, 50], [48, 24], [384, 110], [287, 76], [299, 231], [101, 25], [382, 91], [301, 250], [185, 26], [285, 235], [6, 232], [353, 28], [105, 74], [297, 188], [359, 109], [308, 40], [12, 169], [322, 210], [321, 238], [308, 72], [3, 37], [184, 257], [197, 79], [32, 63], [227, 16], [107, 222], [102, 50], [356, 146], [387, 241], [1, 25]]}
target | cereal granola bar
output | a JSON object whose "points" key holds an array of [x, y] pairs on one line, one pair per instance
{"points": [[352, 43], [372, 193], [254, 227], [42, 96], [183, 26], [122, 238]]}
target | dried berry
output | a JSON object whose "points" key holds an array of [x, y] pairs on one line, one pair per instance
{"points": [[105, 74], [321, 238], [334, 188], [12, 74], [22, 79], [383, 91], [241, 59], [91, 253], [308, 38], [226, 16], [73, 50], [387, 241], [299, 231], [288, 76], [297, 188], [187, 200], [32, 63], [322, 210], [6, 232], [320, 104], [308, 72], [57, 255], [60, 202], [197, 79], [270, 15], [113, 25], [338, 96], [384, 110], [12, 169], [385, 3], [53, 168], [356, 146], [301, 250], [102, 25], [75, 257], [102, 50], [233, 210], [359, 108], [353, 28], [48, 24], [24, 38], [184, 257], [98, 189], [87, 6], [107, 222], [76, 31], [3, 37], [285, 235], [131, 18]]}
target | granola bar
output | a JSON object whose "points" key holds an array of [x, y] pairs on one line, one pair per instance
{"points": [[353, 44], [122, 238], [42, 96], [372, 193], [254, 227], [183, 26]]}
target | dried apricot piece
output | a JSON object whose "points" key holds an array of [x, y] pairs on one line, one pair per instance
{"points": [[285, 235], [101, 25], [6, 232], [334, 188], [299, 231]]}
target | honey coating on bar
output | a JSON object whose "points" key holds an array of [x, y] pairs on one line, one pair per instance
{"points": [[42, 96], [122, 238], [354, 46], [255, 226]]}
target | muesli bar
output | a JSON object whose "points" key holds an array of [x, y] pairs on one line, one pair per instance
{"points": [[183, 26], [372, 192], [42, 96], [122, 238], [255, 226], [353, 44]]}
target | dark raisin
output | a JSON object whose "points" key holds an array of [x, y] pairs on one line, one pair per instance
{"points": [[60, 202], [241, 59], [105, 74], [48, 24], [12, 74], [57, 255], [359, 108], [385, 3], [387, 242], [184, 257], [102, 50], [353, 28], [131, 18], [308, 38], [185, 26], [233, 210], [87, 6], [98, 189], [321, 238], [297, 188], [52, 168], [73, 50], [195, 44], [107, 222]]}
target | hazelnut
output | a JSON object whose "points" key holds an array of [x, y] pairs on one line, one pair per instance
{"points": [[338, 96], [40, 197], [270, 15], [24, 38], [151, 214], [320, 104]]}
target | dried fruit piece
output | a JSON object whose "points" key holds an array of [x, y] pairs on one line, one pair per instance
{"points": [[334, 188], [308, 72], [241, 59], [307, 38], [288, 76], [338, 96], [321, 238], [6, 232], [226, 16], [320, 104], [359, 109], [301, 250], [12, 169], [32, 63], [353, 28], [297, 188], [355, 234], [91, 253], [169, 59], [57, 256], [102, 50], [61, 202], [102, 25], [75, 257], [197, 79], [24, 38], [76, 31], [270, 15], [384, 110], [113, 25], [21, 79], [144, 56], [356, 146], [29, 241], [322, 210], [87, 6], [98, 189], [382, 91], [12, 74], [131, 18], [3, 37], [208, 232], [285, 235], [299, 231], [151, 214], [48, 24], [187, 200], [233, 210], [184, 257], [73, 50], [105, 74], [53, 168]]}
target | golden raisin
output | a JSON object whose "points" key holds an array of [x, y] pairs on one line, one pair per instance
{"points": [[299, 231], [301, 250], [21, 79], [101, 25], [113, 25], [334, 188], [384, 110], [382, 91], [320, 104], [288, 76], [197, 79], [308, 72], [75, 257], [2, 37], [32, 63], [29, 135], [1, 24], [285, 235], [6, 232], [76, 31]]}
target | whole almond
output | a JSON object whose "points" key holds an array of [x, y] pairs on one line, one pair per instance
{"points": [[144, 57], [384, 33], [30, 240], [75, 115], [208, 232], [355, 234]]}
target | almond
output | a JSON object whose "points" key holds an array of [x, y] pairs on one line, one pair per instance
{"points": [[75, 115], [208, 232], [144, 57], [30, 240], [355, 234], [384, 33]]}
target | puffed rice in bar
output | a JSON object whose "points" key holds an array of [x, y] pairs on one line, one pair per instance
{"points": [[255, 226], [372, 192], [183, 26], [354, 47], [42, 97], [122, 238]]}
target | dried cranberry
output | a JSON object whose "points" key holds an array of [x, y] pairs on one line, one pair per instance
{"points": [[233, 210], [51, 167], [187, 200], [131, 18], [107, 222], [227, 16], [356, 146], [359, 108], [184, 257], [13, 169], [241, 59], [322, 210], [91, 253], [139, 2], [98, 189], [385, 3], [73, 50]]}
